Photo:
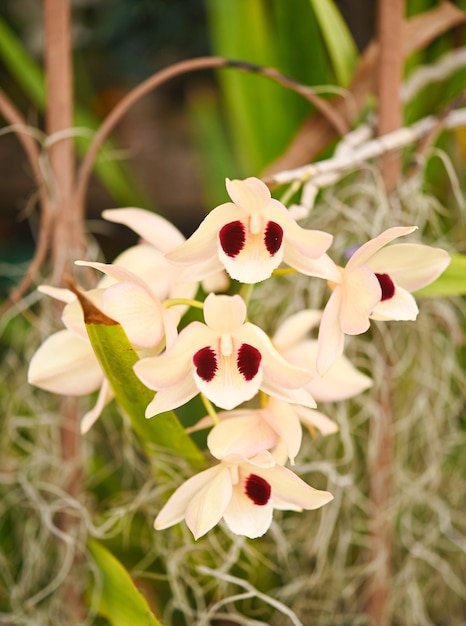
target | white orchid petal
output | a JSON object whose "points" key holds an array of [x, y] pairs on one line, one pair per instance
{"points": [[175, 508], [155, 229], [321, 267], [368, 249], [341, 382], [295, 328], [63, 295], [289, 488], [137, 311], [224, 313], [315, 419], [402, 306], [409, 265], [172, 397], [250, 194], [208, 505], [245, 434], [243, 517], [294, 396], [361, 291], [117, 272], [277, 370], [253, 264], [65, 364], [284, 420], [90, 418], [331, 339]]}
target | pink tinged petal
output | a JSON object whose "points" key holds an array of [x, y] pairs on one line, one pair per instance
{"points": [[155, 229], [245, 434], [361, 291], [331, 339], [410, 265], [402, 306], [284, 420], [277, 370], [117, 272], [364, 253], [175, 508], [172, 397], [244, 517], [104, 397], [208, 505], [66, 365], [291, 491], [311, 419], [250, 194], [295, 328], [137, 311], [224, 313], [202, 245]]}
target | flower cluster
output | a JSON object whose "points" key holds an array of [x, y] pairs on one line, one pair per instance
{"points": [[258, 390]]}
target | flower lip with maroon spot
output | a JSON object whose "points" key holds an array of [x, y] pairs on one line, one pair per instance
{"points": [[387, 285], [257, 489]]}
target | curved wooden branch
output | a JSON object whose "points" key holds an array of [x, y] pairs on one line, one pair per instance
{"points": [[14, 117], [336, 120]]}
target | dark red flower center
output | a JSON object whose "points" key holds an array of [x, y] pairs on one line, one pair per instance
{"points": [[257, 489], [273, 237], [205, 362], [232, 238], [248, 361], [387, 285]]}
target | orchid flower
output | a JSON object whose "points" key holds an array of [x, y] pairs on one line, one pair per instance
{"points": [[65, 363], [375, 284], [227, 359], [244, 492], [249, 237]]}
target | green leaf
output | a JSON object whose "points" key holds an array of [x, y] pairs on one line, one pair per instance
{"points": [[117, 358], [451, 283], [118, 598], [339, 43]]}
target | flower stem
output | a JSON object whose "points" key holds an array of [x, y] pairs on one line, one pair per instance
{"points": [[182, 301], [210, 409]]}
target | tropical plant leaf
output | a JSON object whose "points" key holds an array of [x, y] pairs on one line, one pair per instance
{"points": [[338, 40], [117, 358], [119, 600], [451, 283]]}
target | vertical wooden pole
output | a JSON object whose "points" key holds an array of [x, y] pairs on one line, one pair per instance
{"points": [[390, 15], [68, 238], [68, 241]]}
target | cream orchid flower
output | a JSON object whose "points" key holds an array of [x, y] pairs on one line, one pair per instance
{"points": [[65, 363], [375, 284], [226, 359], [249, 237], [244, 492]]}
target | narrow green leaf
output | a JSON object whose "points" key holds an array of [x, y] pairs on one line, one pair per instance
{"points": [[451, 283], [117, 358], [340, 44], [119, 600]]}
